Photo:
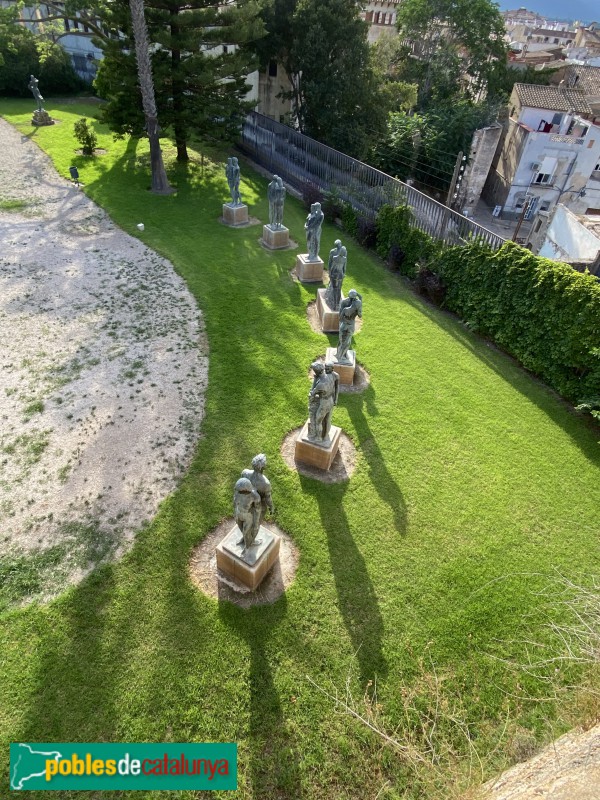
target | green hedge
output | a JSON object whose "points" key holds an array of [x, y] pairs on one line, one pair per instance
{"points": [[399, 243], [542, 312]]}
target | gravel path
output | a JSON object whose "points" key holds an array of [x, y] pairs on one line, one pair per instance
{"points": [[103, 365]]}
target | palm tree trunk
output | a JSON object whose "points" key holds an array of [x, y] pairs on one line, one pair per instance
{"points": [[160, 183]]}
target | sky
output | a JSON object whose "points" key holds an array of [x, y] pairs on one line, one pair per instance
{"points": [[586, 10]]}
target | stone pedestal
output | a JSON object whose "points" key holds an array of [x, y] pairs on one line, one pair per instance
{"points": [[345, 369], [235, 215], [41, 118], [315, 454], [275, 238], [330, 320], [309, 271], [249, 568]]}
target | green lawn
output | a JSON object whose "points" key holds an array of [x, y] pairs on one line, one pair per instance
{"points": [[474, 484]]}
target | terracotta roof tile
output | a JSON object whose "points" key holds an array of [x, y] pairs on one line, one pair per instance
{"points": [[553, 98]]}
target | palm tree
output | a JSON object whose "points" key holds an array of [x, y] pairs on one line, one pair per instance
{"points": [[160, 183]]}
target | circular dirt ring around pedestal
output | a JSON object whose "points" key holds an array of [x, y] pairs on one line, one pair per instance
{"points": [[214, 583]]}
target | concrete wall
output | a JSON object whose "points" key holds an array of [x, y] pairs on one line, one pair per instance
{"points": [[268, 88], [482, 151]]}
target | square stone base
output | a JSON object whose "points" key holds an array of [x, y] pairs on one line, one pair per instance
{"points": [[317, 455], [330, 320], [41, 118], [250, 568], [235, 215], [275, 239], [309, 271], [344, 369]]}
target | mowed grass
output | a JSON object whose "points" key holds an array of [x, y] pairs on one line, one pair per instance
{"points": [[474, 486]]}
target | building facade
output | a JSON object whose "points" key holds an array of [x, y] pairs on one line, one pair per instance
{"points": [[549, 153]]}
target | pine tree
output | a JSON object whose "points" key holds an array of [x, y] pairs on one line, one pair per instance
{"points": [[199, 62]]}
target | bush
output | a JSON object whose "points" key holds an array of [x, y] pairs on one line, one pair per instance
{"points": [[430, 285], [57, 75], [367, 232], [332, 205], [85, 136], [401, 244], [311, 194], [349, 220]]}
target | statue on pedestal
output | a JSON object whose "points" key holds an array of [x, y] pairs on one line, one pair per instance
{"points": [[349, 310], [312, 226], [321, 400], [261, 484], [276, 197], [33, 88], [232, 173], [336, 265]]}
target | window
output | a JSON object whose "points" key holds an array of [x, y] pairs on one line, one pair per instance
{"points": [[545, 205], [538, 225], [272, 69], [225, 48], [543, 177]]}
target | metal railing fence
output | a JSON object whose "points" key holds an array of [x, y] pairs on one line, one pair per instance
{"points": [[301, 160]]}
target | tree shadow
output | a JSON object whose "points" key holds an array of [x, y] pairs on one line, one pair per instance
{"points": [[357, 599], [274, 755]]}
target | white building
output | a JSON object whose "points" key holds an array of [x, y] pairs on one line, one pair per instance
{"points": [[75, 37], [549, 153], [569, 237], [381, 16]]}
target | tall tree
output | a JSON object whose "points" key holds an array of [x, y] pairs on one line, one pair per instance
{"points": [[322, 46], [199, 60], [160, 183], [458, 45]]}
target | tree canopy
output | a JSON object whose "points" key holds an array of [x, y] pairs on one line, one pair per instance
{"points": [[200, 64], [23, 53], [322, 46], [457, 45]]}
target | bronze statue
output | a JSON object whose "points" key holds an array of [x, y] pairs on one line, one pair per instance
{"points": [[321, 400], [33, 87], [247, 512], [276, 197], [337, 270], [350, 309], [261, 484], [232, 173], [312, 226]]}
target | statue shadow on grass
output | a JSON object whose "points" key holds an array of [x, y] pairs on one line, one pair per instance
{"points": [[361, 407], [274, 755], [357, 599]]}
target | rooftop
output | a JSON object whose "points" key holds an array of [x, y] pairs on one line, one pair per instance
{"points": [[556, 34], [589, 78], [553, 98]]}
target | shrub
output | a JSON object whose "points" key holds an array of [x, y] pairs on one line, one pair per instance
{"points": [[57, 75], [332, 204], [430, 285], [401, 244], [349, 220], [311, 194], [367, 232], [85, 136]]}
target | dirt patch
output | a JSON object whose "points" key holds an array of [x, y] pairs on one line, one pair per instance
{"points": [[102, 385], [213, 583], [568, 769], [342, 468]]}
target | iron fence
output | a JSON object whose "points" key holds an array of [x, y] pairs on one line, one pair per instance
{"points": [[301, 160]]}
